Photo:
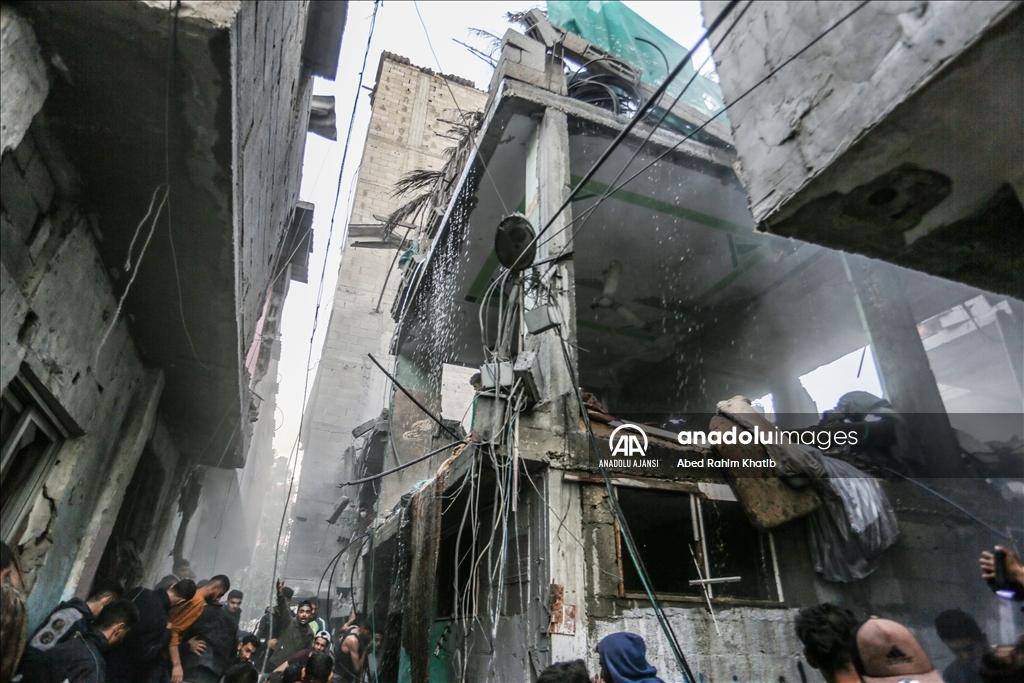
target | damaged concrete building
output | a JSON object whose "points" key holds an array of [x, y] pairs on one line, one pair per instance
{"points": [[612, 259], [417, 118], [152, 154]]}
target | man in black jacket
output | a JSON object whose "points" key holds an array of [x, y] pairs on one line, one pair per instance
{"points": [[210, 645], [80, 659], [70, 617], [139, 658]]}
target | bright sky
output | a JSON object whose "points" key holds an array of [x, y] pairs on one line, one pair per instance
{"points": [[397, 30], [855, 371]]}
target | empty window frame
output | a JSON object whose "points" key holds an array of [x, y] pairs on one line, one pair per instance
{"points": [[30, 438], [687, 542]]}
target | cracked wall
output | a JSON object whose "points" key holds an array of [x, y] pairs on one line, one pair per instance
{"points": [[756, 642], [58, 303]]}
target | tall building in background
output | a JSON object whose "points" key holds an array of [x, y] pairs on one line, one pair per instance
{"points": [[411, 129]]}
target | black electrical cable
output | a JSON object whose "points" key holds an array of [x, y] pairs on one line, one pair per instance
{"points": [[352, 574], [697, 130], [402, 467], [367, 594], [997, 532], [330, 584], [624, 133], [334, 561], [316, 318], [419, 405], [668, 110], [627, 536]]}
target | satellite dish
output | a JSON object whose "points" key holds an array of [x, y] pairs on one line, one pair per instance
{"points": [[514, 242]]}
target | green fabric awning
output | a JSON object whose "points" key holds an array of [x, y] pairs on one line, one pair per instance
{"points": [[613, 27]]}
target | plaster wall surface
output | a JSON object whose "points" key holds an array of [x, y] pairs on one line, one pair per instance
{"points": [[23, 81], [58, 305], [800, 122], [758, 642], [218, 107], [406, 133], [271, 92]]}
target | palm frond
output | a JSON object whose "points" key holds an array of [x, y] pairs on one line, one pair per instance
{"points": [[520, 17], [416, 181], [406, 212], [493, 42]]}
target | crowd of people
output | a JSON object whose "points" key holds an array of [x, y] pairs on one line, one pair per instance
{"points": [[180, 632], [845, 649]]}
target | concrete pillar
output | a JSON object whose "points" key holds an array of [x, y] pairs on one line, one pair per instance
{"points": [[135, 432], [903, 368], [567, 561], [548, 183]]}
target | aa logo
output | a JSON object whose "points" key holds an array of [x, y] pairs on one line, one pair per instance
{"points": [[624, 441]]}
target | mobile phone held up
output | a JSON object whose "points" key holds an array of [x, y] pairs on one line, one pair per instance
{"points": [[999, 584]]}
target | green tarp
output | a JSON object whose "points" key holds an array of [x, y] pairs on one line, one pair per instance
{"points": [[613, 27]]}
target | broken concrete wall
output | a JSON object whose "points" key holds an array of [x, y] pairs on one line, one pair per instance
{"points": [[869, 141], [801, 121], [59, 306], [758, 642], [217, 109], [24, 84]]}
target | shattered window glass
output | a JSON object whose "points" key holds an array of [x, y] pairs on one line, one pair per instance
{"points": [[669, 542]]}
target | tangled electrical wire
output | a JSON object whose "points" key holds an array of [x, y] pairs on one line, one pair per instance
{"points": [[607, 91]]}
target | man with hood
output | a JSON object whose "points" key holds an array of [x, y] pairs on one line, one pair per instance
{"points": [[80, 659], [140, 656], [68, 618], [623, 659]]}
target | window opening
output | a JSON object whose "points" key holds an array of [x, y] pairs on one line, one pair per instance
{"points": [[30, 439], [672, 528]]}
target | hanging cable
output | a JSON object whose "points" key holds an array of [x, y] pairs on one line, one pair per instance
{"points": [[334, 561], [316, 316], [413, 399], [171, 63], [915, 482], [700, 128], [624, 531], [402, 467], [124, 295]]}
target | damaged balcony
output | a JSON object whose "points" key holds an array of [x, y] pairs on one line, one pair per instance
{"points": [[172, 91], [666, 302], [908, 150], [679, 304]]}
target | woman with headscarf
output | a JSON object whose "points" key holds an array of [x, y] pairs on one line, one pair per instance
{"points": [[624, 660]]}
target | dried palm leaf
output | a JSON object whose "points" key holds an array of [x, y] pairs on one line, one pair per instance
{"points": [[417, 181]]}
